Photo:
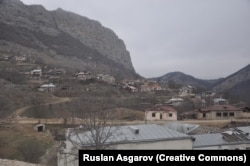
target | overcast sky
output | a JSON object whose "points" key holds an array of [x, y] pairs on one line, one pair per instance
{"points": [[205, 38]]}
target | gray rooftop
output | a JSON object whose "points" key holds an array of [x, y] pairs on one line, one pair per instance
{"points": [[208, 140], [181, 127], [245, 129], [134, 133], [236, 135]]}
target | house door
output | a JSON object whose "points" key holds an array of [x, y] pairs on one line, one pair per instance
{"points": [[161, 116], [40, 129]]}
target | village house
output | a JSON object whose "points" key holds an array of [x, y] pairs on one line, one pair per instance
{"points": [[47, 87], [128, 82], [83, 75], [161, 112], [186, 91], [175, 101], [220, 101], [131, 137], [36, 72], [217, 112], [132, 88], [20, 58]]}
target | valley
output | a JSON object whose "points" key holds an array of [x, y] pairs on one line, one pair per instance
{"points": [[68, 83]]}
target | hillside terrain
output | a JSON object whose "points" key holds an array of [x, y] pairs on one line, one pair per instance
{"points": [[182, 79], [235, 86]]}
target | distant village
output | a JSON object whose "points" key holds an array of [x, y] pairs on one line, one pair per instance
{"points": [[211, 107]]}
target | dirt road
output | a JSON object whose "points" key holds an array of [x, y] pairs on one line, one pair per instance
{"points": [[16, 118], [55, 100]]}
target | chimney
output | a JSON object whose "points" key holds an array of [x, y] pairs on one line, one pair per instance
{"points": [[134, 130]]}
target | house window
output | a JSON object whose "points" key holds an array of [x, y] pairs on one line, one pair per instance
{"points": [[204, 115], [170, 114], [218, 114], [224, 114], [153, 114], [231, 114]]}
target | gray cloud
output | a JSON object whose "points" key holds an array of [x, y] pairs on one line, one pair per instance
{"points": [[207, 39]]}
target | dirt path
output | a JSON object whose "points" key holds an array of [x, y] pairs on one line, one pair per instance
{"points": [[57, 100]]}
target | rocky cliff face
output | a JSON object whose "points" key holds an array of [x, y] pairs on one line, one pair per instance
{"points": [[63, 38]]}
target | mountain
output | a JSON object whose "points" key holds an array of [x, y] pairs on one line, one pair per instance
{"points": [[236, 85], [233, 80], [180, 78], [62, 39]]}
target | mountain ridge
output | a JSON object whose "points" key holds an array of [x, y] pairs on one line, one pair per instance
{"points": [[185, 79], [236, 85]]}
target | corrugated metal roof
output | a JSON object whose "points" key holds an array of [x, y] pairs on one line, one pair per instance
{"points": [[208, 140], [181, 127], [227, 137], [245, 129], [147, 132]]}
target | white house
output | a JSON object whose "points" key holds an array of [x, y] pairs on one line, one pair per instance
{"points": [[175, 101], [20, 58], [161, 112], [135, 137], [47, 87], [36, 72], [186, 91], [83, 75], [217, 112], [220, 101]]}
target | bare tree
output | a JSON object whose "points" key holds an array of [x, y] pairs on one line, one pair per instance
{"points": [[97, 129]]}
